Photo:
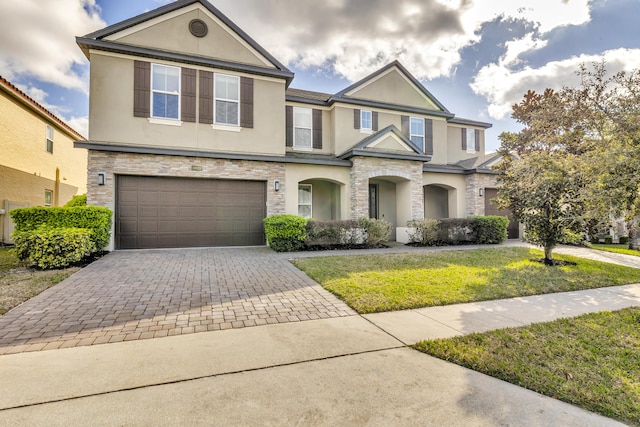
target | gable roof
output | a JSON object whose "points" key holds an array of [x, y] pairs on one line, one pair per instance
{"points": [[25, 99], [97, 40], [395, 64], [363, 147]]}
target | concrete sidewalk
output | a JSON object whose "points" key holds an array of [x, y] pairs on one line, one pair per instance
{"points": [[353, 370]]}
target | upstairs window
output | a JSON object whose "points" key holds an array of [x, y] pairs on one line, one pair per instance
{"points": [[417, 131], [165, 93], [366, 122], [49, 145], [472, 144], [302, 127], [227, 99]]}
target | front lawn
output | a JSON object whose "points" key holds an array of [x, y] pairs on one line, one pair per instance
{"points": [[590, 361], [18, 284], [375, 283], [616, 248]]}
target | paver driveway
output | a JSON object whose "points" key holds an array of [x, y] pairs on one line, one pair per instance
{"points": [[130, 295]]}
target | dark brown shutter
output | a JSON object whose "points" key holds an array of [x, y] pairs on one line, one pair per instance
{"points": [[356, 119], [428, 136], [464, 138], [246, 102], [477, 140], [406, 125], [317, 128], [374, 121], [141, 89], [289, 125], [206, 97], [188, 95]]}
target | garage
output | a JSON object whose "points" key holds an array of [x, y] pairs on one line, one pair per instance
{"points": [[169, 212], [490, 208]]}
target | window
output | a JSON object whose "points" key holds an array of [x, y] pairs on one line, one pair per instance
{"points": [[48, 197], [472, 143], [366, 122], [227, 99], [165, 93], [417, 132], [302, 127], [304, 200], [50, 139]]}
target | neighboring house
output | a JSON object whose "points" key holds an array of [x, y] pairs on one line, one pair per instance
{"points": [[39, 165], [196, 137]]}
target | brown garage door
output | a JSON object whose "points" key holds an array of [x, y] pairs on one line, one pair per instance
{"points": [[491, 209], [159, 212]]}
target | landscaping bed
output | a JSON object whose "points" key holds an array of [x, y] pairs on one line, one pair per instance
{"points": [[387, 282], [590, 361]]}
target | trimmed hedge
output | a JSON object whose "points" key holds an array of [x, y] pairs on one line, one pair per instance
{"points": [[97, 219], [457, 231], [285, 233], [624, 240], [47, 247], [80, 200], [489, 229]]}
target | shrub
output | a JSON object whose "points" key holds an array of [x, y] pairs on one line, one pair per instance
{"points": [[376, 230], [573, 238], [489, 229], [594, 239], [423, 231], [285, 233], [47, 248], [97, 219], [608, 239], [624, 240], [333, 233], [79, 200], [454, 231]]}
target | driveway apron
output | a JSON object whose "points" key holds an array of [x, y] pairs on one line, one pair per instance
{"points": [[131, 295]]}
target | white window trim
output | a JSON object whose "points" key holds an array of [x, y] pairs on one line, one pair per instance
{"points": [[228, 128], [215, 99], [45, 197], [47, 139], [310, 204], [163, 120], [295, 146], [411, 135], [362, 113], [471, 136]]}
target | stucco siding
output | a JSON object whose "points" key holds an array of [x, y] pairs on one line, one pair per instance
{"points": [[112, 120], [174, 35]]}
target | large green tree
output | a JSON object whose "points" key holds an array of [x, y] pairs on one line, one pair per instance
{"points": [[576, 162]]}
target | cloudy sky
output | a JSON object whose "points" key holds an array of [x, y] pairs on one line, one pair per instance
{"points": [[478, 57]]}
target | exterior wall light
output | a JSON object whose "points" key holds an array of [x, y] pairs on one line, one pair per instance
{"points": [[481, 192], [276, 185], [101, 178]]}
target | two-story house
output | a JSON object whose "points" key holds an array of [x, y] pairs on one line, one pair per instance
{"points": [[196, 137], [39, 165]]}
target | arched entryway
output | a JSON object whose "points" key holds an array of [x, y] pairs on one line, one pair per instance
{"points": [[439, 201]]}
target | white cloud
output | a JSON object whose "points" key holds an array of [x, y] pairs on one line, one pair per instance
{"points": [[355, 37], [37, 39], [504, 87]]}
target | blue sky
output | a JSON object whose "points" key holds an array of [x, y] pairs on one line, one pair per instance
{"points": [[478, 57]]}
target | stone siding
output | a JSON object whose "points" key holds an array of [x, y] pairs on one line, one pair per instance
{"points": [[473, 201]]}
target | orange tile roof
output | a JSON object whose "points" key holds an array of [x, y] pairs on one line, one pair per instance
{"points": [[5, 84]]}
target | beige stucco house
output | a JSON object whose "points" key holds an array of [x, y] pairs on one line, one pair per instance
{"points": [[196, 136], [39, 165]]}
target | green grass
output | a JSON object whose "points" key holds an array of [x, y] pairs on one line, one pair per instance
{"points": [[8, 260], [590, 361], [618, 249], [375, 283]]}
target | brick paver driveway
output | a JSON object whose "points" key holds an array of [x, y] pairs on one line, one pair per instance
{"points": [[130, 295]]}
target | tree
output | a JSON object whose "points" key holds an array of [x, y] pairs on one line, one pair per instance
{"points": [[541, 182]]}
